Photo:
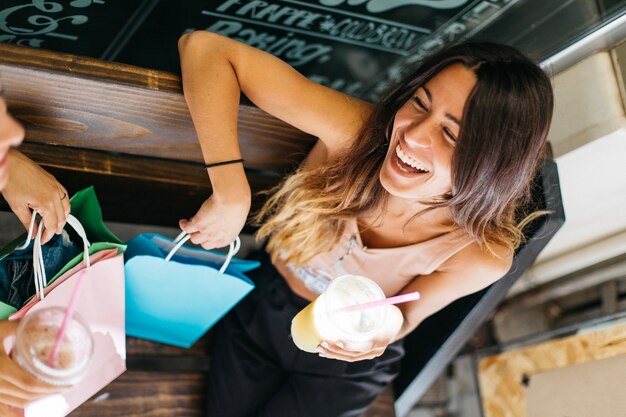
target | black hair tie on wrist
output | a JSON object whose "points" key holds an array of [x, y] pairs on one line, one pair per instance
{"points": [[217, 164]]}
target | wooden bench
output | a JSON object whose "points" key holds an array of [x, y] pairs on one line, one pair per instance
{"points": [[128, 132]]}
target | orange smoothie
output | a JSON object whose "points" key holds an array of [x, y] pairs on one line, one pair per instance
{"points": [[303, 330], [323, 319]]}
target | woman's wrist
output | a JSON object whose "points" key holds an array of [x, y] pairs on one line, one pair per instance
{"points": [[15, 166], [229, 183]]}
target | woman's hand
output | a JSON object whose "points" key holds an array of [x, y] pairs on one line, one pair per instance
{"points": [[17, 387], [221, 218], [342, 350], [31, 187]]}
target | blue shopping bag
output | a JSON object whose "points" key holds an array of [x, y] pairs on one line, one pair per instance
{"points": [[176, 301]]}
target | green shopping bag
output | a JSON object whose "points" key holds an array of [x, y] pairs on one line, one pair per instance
{"points": [[86, 208]]}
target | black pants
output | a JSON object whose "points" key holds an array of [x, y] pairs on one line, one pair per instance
{"points": [[256, 370]]}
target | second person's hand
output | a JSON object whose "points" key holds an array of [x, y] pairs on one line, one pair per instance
{"points": [[30, 187], [17, 387]]}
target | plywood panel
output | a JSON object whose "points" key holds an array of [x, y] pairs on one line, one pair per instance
{"points": [[502, 376], [594, 388]]}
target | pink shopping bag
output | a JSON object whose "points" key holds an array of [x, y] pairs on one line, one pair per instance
{"points": [[101, 303]]}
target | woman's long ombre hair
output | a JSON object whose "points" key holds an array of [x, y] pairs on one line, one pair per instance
{"points": [[504, 129]]}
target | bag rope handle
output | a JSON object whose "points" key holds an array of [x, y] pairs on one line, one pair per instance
{"points": [[39, 270], [184, 237]]}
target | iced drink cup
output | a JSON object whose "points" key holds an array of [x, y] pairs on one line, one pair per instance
{"points": [[323, 320], [35, 338]]}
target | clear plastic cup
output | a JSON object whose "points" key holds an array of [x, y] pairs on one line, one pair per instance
{"points": [[35, 338], [323, 319]]}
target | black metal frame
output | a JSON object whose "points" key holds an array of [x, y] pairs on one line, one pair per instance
{"points": [[435, 343]]}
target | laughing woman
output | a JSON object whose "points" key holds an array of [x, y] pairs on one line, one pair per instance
{"points": [[417, 192]]}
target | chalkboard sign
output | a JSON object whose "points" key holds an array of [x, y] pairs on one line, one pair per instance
{"points": [[353, 46], [356, 46], [81, 27]]}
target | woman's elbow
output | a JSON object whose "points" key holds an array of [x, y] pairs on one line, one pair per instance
{"points": [[198, 39]]}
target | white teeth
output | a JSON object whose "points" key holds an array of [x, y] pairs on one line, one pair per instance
{"points": [[408, 160]]}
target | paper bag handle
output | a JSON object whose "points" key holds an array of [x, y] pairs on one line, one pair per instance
{"points": [[38, 264], [184, 237]]}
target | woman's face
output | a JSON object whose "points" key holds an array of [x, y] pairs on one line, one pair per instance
{"points": [[418, 165], [11, 134]]}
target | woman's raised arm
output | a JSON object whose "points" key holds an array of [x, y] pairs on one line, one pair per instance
{"points": [[216, 68], [215, 71]]}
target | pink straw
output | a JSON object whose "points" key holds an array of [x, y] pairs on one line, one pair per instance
{"points": [[402, 298], [69, 311]]}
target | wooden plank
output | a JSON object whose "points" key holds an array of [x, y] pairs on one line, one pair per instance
{"points": [[144, 355], [128, 200], [148, 394], [178, 173], [128, 166], [502, 377], [136, 189], [139, 347], [89, 68], [86, 103], [160, 392]]}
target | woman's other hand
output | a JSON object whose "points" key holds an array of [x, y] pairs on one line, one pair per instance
{"points": [[17, 387], [344, 351], [31, 187], [221, 217]]}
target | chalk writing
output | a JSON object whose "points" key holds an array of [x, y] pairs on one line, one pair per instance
{"points": [[371, 33], [379, 6], [463, 26], [303, 33], [294, 51], [332, 25], [32, 26]]}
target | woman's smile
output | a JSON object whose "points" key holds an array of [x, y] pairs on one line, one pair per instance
{"points": [[408, 164]]}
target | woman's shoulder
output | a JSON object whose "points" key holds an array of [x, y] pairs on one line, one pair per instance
{"points": [[482, 263]]}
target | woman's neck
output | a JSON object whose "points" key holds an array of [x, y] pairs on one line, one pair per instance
{"points": [[403, 210], [411, 218]]}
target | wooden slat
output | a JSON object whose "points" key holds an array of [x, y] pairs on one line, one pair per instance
{"points": [[161, 391], [138, 347], [135, 189], [152, 170], [148, 394], [162, 394], [90, 68], [128, 200], [91, 104]]}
